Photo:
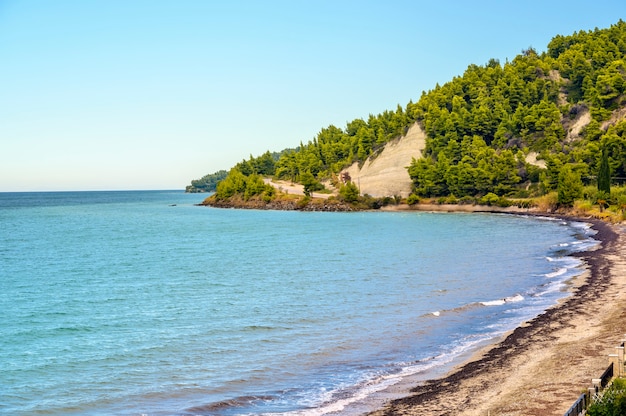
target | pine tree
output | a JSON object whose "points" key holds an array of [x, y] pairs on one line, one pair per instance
{"points": [[604, 173], [570, 186]]}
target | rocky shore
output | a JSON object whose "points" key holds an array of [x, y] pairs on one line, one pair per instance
{"points": [[314, 204]]}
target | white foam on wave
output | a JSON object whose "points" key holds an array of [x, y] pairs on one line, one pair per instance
{"points": [[498, 302], [586, 240], [335, 406], [458, 309], [584, 225], [557, 273], [584, 245], [516, 298], [330, 404], [568, 260], [556, 286]]}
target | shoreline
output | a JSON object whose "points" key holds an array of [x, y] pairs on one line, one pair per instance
{"points": [[542, 366]]}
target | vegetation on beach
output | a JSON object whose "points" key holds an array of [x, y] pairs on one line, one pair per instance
{"points": [[565, 106], [613, 402]]}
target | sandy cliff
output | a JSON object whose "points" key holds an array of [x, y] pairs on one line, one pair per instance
{"points": [[386, 174]]}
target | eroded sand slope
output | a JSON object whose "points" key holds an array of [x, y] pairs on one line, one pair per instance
{"points": [[386, 174]]}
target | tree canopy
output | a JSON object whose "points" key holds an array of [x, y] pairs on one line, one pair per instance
{"points": [[482, 125]]}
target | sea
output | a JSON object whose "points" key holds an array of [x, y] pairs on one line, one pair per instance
{"points": [[145, 303]]}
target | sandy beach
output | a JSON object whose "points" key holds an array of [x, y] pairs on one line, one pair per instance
{"points": [[543, 366]]}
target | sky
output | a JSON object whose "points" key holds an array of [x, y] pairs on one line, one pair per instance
{"points": [[134, 94]]}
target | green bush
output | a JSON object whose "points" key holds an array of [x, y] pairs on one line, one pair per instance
{"points": [[520, 193], [490, 199], [524, 203], [613, 402], [504, 203], [570, 186], [413, 199], [349, 192]]}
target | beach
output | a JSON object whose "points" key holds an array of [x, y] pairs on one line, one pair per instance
{"points": [[543, 366], [199, 332]]}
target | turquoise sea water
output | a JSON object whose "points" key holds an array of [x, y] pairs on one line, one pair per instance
{"points": [[141, 303]]}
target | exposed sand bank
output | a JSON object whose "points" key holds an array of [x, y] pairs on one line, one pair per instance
{"points": [[543, 366], [383, 174], [386, 174], [293, 188]]}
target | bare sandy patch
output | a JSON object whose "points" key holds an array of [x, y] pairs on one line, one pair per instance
{"points": [[581, 121], [617, 116], [531, 158], [292, 188], [386, 174]]}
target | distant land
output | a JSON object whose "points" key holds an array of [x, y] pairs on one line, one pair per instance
{"points": [[540, 131]]}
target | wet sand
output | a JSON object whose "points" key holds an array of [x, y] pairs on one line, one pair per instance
{"points": [[543, 366]]}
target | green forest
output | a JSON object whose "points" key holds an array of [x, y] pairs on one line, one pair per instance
{"points": [[481, 126]]}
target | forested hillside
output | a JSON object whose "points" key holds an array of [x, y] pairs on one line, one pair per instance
{"points": [[564, 106]]}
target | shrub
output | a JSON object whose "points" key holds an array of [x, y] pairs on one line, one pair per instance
{"points": [[370, 202], [524, 203], [303, 202], [349, 192], [603, 199], [613, 402], [590, 192], [570, 186], [547, 202], [503, 202], [520, 193], [413, 199], [583, 206], [621, 204], [490, 199]]}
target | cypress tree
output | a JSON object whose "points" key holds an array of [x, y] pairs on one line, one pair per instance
{"points": [[604, 173]]}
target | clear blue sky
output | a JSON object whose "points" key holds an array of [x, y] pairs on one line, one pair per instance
{"points": [[123, 94]]}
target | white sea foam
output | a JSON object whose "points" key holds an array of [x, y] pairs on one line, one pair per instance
{"points": [[557, 273], [569, 261], [330, 405], [377, 383], [496, 302], [556, 286], [516, 298]]}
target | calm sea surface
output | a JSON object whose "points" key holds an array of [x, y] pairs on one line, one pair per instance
{"points": [[141, 303]]}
